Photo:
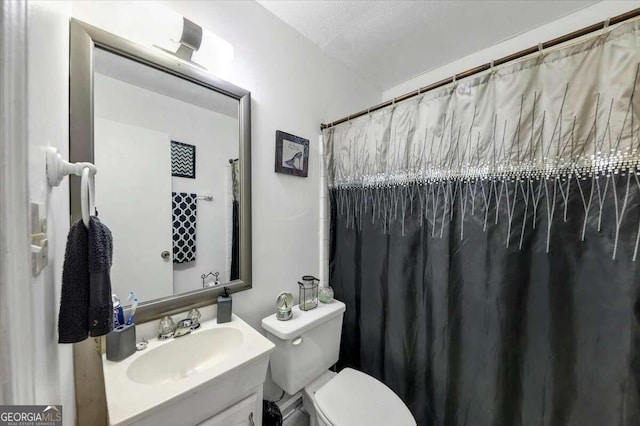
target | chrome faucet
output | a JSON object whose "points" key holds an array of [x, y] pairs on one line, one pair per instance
{"points": [[167, 329], [183, 328]]}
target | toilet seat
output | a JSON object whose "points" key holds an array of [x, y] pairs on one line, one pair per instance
{"points": [[353, 398]]}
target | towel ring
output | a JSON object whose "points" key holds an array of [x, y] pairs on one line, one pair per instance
{"points": [[87, 195], [58, 168]]}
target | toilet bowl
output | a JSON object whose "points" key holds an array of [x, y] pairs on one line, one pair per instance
{"points": [[306, 347]]}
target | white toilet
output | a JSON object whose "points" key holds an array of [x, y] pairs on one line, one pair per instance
{"points": [[306, 346]]}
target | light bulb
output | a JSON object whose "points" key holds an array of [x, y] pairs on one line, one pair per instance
{"points": [[215, 53], [151, 24]]}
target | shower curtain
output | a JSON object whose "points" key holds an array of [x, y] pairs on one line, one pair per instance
{"points": [[235, 220], [484, 238]]}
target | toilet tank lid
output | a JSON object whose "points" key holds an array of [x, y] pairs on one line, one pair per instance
{"points": [[302, 321]]}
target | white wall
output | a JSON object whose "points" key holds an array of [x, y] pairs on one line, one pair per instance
{"points": [[216, 139], [47, 73], [585, 17]]}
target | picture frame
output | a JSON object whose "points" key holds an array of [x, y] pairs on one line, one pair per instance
{"points": [[292, 154], [183, 160]]}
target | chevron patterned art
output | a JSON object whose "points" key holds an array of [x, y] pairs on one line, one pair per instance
{"points": [[183, 160]]}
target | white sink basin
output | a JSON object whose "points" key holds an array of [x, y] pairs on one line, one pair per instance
{"points": [[185, 356], [186, 380]]}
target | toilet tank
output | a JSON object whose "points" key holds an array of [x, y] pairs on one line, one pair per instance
{"points": [[306, 345]]}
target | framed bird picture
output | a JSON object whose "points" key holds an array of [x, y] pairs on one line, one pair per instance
{"points": [[292, 154]]}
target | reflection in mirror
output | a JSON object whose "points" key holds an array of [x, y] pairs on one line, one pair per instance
{"points": [[166, 150]]}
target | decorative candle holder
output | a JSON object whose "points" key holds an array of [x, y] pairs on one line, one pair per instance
{"points": [[325, 294], [308, 293]]}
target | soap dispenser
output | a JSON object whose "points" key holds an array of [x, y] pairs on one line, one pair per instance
{"points": [[224, 307]]}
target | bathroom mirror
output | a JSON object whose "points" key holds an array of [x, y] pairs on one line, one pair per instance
{"points": [[172, 147]]}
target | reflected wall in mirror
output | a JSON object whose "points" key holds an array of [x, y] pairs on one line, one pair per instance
{"points": [[167, 153], [172, 145]]}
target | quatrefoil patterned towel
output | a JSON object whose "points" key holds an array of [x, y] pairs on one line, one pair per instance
{"points": [[185, 211]]}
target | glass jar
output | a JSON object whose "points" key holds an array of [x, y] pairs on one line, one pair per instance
{"points": [[308, 293]]}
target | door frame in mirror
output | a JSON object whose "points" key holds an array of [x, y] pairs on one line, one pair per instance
{"points": [[84, 38]]}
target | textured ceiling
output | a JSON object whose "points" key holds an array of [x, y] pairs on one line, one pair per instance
{"points": [[389, 42]]}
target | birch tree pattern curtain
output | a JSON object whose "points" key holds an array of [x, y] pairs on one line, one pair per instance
{"points": [[484, 237]]}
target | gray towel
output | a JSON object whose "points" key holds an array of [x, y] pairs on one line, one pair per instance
{"points": [[85, 302]]}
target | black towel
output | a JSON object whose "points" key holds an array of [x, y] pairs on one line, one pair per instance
{"points": [[185, 213], [235, 242], [85, 302]]}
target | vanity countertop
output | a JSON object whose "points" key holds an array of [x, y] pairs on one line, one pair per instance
{"points": [[160, 374]]}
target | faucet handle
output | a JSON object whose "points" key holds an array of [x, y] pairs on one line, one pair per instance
{"points": [[194, 315], [166, 328]]}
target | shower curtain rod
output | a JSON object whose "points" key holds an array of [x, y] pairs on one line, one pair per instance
{"points": [[551, 43]]}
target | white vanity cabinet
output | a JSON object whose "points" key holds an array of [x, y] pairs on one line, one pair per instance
{"points": [[213, 376], [241, 414], [208, 407]]}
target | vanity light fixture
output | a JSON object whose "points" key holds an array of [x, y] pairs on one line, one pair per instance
{"points": [[190, 42], [152, 24]]}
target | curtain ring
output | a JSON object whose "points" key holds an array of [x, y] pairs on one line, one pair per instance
{"points": [[540, 51], [605, 27], [492, 67]]}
